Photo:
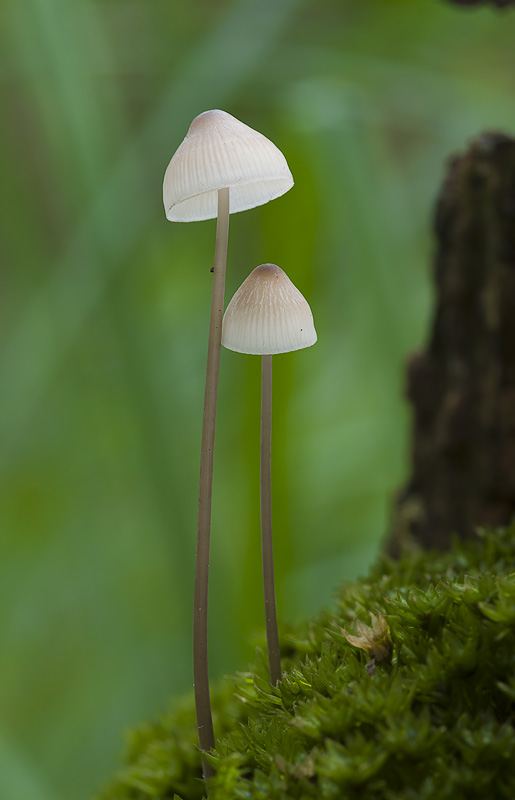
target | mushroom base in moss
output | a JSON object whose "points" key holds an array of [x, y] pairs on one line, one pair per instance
{"points": [[435, 719]]}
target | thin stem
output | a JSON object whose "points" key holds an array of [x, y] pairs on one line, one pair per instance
{"points": [[274, 655], [200, 666]]}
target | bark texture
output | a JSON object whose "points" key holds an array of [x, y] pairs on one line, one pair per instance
{"points": [[462, 387]]}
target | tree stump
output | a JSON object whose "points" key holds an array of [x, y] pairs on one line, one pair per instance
{"points": [[462, 387], [497, 3]]}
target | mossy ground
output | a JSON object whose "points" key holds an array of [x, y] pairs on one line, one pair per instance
{"points": [[433, 719]]}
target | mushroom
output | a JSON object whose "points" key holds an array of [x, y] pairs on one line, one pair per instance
{"points": [[268, 315], [221, 167]]}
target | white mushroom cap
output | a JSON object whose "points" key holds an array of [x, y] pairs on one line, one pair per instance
{"points": [[218, 152], [268, 315]]}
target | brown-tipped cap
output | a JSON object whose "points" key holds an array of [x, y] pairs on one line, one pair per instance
{"points": [[268, 315], [218, 152]]}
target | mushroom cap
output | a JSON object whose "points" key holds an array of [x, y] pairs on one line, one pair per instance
{"points": [[268, 315], [221, 152]]}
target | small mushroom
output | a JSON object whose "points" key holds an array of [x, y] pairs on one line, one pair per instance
{"points": [[222, 166], [220, 152], [268, 315]]}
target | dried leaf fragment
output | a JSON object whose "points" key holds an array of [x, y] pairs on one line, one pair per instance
{"points": [[373, 640]]}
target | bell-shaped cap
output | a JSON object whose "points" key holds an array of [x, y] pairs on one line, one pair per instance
{"points": [[218, 152], [268, 315]]}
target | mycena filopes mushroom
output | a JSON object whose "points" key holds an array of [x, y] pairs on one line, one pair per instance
{"points": [[221, 167], [268, 315]]}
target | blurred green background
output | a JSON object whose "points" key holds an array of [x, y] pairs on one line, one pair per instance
{"points": [[104, 320]]}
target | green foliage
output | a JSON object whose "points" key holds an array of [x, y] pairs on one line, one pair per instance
{"points": [[435, 719]]}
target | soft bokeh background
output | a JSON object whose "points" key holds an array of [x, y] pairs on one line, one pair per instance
{"points": [[104, 317]]}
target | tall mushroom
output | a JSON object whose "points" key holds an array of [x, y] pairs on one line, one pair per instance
{"points": [[222, 166], [266, 316]]}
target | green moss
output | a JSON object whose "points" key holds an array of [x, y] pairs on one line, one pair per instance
{"points": [[434, 719]]}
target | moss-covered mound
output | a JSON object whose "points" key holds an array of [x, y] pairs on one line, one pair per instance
{"points": [[422, 708]]}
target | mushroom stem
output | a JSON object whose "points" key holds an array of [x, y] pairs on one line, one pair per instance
{"points": [[274, 656], [200, 665]]}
